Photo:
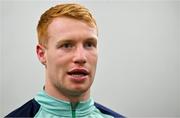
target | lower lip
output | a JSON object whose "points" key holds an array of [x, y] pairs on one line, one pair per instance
{"points": [[78, 79]]}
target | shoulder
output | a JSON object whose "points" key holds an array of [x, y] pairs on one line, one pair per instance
{"points": [[108, 111], [29, 109]]}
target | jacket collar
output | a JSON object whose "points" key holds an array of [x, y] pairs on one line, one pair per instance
{"points": [[64, 108]]}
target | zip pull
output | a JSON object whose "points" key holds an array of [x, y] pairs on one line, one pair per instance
{"points": [[73, 108]]}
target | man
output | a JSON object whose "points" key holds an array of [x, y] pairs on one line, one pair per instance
{"points": [[67, 47]]}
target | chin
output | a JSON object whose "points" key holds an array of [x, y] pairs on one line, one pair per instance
{"points": [[77, 93], [78, 90]]}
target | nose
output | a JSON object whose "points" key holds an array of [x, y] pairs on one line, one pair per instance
{"points": [[80, 56]]}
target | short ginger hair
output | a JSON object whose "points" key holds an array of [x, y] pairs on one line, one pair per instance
{"points": [[70, 10]]}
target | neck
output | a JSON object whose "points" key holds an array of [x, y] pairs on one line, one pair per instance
{"points": [[53, 91]]}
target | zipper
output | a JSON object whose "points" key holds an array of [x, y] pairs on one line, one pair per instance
{"points": [[73, 108], [73, 114]]}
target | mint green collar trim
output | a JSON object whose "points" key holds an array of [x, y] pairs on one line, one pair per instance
{"points": [[63, 108]]}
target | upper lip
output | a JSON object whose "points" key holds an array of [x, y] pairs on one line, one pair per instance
{"points": [[83, 71]]}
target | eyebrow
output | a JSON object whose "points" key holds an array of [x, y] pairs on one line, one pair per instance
{"points": [[93, 39], [63, 41]]}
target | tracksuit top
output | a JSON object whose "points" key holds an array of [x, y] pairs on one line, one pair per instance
{"points": [[45, 106]]}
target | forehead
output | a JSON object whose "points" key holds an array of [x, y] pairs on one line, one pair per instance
{"points": [[64, 26]]}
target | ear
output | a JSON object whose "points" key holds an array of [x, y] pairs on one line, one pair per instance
{"points": [[40, 50]]}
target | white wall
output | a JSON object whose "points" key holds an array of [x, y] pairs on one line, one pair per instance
{"points": [[0, 60], [138, 71]]}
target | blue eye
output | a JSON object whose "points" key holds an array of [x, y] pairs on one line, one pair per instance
{"points": [[90, 45], [65, 46]]}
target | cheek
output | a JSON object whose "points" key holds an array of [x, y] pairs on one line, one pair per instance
{"points": [[62, 63], [54, 62], [58, 57], [93, 58], [93, 63]]}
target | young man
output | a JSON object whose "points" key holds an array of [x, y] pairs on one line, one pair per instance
{"points": [[67, 47]]}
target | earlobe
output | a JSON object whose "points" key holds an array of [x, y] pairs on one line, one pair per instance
{"points": [[40, 51]]}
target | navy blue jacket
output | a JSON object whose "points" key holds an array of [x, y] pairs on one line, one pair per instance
{"points": [[30, 109]]}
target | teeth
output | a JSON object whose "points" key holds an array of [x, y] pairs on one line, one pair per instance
{"points": [[77, 75]]}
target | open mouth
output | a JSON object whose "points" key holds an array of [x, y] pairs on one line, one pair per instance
{"points": [[78, 73]]}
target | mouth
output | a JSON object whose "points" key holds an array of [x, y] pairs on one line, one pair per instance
{"points": [[78, 72]]}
